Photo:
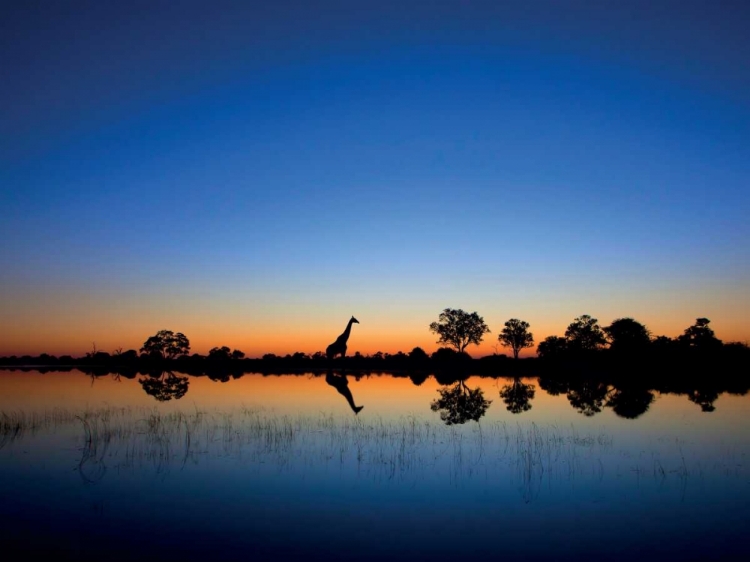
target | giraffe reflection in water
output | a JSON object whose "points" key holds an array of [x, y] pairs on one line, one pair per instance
{"points": [[341, 384]]}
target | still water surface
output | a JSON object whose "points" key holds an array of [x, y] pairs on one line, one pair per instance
{"points": [[281, 467]]}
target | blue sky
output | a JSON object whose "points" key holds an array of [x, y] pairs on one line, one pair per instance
{"points": [[247, 166]]}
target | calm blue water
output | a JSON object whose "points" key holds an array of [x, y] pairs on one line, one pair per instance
{"points": [[281, 467]]}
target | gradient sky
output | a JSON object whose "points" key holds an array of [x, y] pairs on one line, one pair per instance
{"points": [[254, 173]]}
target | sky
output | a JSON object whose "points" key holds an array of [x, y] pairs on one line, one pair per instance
{"points": [[253, 174]]}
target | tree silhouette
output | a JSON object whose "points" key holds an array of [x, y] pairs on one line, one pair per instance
{"points": [[584, 334], [516, 335], [459, 329], [166, 344], [517, 396], [222, 353], [700, 336], [165, 386], [459, 404], [552, 347], [627, 336], [664, 345], [418, 354]]}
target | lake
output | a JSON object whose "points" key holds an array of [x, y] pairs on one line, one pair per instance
{"points": [[373, 467]]}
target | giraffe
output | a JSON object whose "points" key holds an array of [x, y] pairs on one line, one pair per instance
{"points": [[339, 346]]}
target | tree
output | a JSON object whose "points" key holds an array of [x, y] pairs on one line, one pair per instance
{"points": [[627, 335], [219, 353], [700, 336], [224, 354], [166, 344], [664, 345], [459, 329], [516, 335], [552, 347], [418, 354], [584, 334]]}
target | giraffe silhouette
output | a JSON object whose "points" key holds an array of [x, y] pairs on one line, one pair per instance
{"points": [[339, 346], [341, 384]]}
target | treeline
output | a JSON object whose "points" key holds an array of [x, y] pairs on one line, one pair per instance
{"points": [[225, 359], [625, 346]]}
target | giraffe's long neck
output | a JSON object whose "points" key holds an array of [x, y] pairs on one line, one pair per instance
{"points": [[345, 335]]}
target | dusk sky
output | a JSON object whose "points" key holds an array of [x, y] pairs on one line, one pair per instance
{"points": [[254, 173]]}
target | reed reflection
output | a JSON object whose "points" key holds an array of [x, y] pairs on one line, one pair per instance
{"points": [[92, 467], [341, 384], [165, 385], [458, 404], [517, 396]]}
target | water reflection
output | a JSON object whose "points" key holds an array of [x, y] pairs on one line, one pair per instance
{"points": [[95, 372], [553, 386], [341, 384], [587, 396], [705, 398], [630, 403], [628, 393], [459, 404], [332, 482], [91, 467], [165, 385], [517, 396]]}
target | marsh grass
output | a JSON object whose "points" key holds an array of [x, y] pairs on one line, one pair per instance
{"points": [[16, 424], [409, 449]]}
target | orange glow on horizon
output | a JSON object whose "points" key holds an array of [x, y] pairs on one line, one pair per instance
{"points": [[56, 326], [255, 347]]}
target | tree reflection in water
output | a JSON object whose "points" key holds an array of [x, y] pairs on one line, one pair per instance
{"points": [[587, 396], [459, 404], [705, 398], [630, 403], [553, 386], [517, 396], [165, 386]]}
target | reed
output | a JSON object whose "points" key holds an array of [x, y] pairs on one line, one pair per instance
{"points": [[410, 448]]}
